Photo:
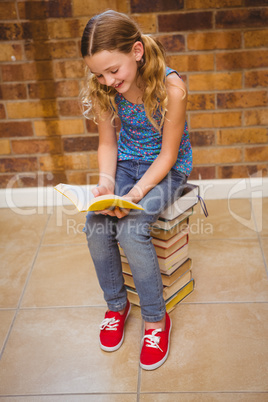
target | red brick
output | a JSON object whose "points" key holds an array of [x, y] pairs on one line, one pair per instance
{"points": [[5, 147], [41, 70], [80, 144], [215, 81], [197, 62], [11, 31], [16, 129], [91, 126], [202, 138], [256, 117], [172, 43], [211, 155], [51, 50], [13, 91], [203, 173], [35, 10], [256, 154], [32, 109], [257, 38], [10, 52], [193, 4], [2, 111], [242, 60], [8, 165], [201, 102], [242, 18], [147, 22], [83, 177], [241, 99], [257, 78], [45, 128], [214, 40], [52, 89], [240, 171], [215, 119], [152, 6], [242, 136], [8, 10], [69, 69], [69, 108], [61, 29], [63, 162], [51, 146], [185, 21], [89, 8]]}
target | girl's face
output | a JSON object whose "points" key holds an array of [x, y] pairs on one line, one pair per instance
{"points": [[116, 69]]}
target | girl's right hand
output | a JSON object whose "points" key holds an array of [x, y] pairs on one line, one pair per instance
{"points": [[102, 190]]}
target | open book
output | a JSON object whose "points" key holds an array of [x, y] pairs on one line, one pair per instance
{"points": [[84, 199]]}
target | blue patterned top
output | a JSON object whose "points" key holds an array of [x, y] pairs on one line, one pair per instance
{"points": [[138, 139]]}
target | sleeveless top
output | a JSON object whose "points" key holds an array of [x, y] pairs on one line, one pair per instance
{"points": [[138, 139]]}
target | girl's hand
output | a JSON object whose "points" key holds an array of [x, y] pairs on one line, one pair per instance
{"points": [[118, 212]]}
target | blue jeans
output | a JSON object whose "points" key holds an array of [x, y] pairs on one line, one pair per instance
{"points": [[133, 233]]}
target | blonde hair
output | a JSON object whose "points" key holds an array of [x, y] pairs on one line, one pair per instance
{"points": [[115, 31]]}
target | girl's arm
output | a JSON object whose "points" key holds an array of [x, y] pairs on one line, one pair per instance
{"points": [[107, 156], [172, 134]]}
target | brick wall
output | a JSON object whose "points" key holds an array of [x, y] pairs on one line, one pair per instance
{"points": [[219, 46]]}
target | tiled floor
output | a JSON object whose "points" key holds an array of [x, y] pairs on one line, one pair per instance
{"points": [[51, 308]]}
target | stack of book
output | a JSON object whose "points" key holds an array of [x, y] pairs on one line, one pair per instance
{"points": [[170, 236]]}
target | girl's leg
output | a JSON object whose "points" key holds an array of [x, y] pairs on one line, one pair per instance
{"points": [[133, 233], [102, 243]]}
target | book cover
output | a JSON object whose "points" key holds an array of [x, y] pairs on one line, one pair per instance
{"points": [[169, 224], [172, 240], [84, 199], [169, 291], [179, 296], [166, 252], [187, 200], [161, 234]]}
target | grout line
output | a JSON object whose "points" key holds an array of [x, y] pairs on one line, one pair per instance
{"points": [[24, 289], [140, 369]]}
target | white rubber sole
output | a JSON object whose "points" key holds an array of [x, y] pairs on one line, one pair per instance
{"points": [[162, 361], [116, 347]]}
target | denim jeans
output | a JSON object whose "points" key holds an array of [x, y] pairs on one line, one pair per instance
{"points": [[133, 234]]}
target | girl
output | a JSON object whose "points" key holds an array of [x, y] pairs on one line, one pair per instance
{"points": [[149, 165]]}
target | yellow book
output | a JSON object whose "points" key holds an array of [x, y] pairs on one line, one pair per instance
{"points": [[84, 199]]}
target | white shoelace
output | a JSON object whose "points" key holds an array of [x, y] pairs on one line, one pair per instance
{"points": [[152, 341], [110, 324]]}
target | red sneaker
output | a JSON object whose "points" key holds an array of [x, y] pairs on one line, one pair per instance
{"points": [[112, 329], [155, 348]]}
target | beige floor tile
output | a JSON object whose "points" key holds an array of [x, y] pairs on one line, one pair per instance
{"points": [[224, 221], [65, 226], [6, 317], [264, 242], [205, 397], [228, 270], [260, 208], [215, 348], [63, 276], [20, 229], [75, 398], [56, 351], [14, 268]]}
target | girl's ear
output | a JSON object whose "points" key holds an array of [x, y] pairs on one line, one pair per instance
{"points": [[138, 50]]}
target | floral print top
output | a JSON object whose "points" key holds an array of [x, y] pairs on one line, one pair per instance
{"points": [[138, 139]]}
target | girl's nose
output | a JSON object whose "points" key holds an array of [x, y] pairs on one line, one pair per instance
{"points": [[109, 80]]}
